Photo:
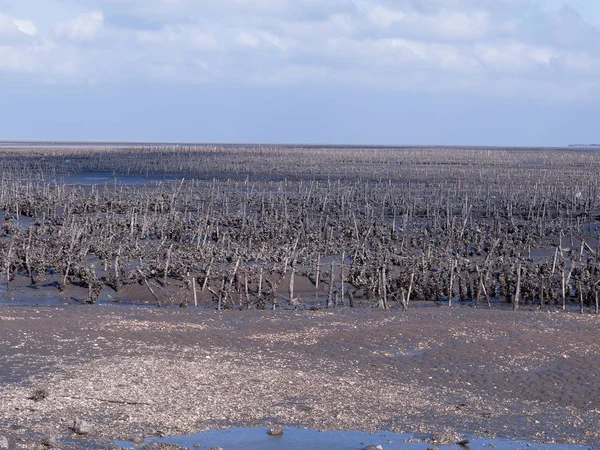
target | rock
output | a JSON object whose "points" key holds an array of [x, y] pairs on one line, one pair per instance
{"points": [[80, 426], [432, 448], [463, 442], [50, 442], [3, 442], [445, 437], [216, 447], [373, 447], [138, 439], [163, 446], [275, 430], [38, 395]]}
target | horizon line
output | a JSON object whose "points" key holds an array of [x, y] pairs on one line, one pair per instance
{"points": [[83, 143]]}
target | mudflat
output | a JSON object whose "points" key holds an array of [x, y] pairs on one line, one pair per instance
{"points": [[130, 371]]}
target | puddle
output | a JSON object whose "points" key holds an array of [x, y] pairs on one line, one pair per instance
{"points": [[18, 220], [32, 296], [89, 178], [48, 295], [300, 439]]}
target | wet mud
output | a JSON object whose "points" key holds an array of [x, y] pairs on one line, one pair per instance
{"points": [[132, 371]]}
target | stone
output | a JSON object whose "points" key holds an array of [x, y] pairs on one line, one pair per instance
{"points": [[163, 446], [50, 442], [3, 442], [445, 437], [373, 447], [80, 426], [38, 395], [216, 447], [275, 430], [138, 439]]}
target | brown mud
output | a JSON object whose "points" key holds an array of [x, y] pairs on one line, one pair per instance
{"points": [[142, 371]]}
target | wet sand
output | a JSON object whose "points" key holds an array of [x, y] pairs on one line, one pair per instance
{"points": [[139, 371]]}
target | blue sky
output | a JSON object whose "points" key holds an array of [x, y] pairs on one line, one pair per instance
{"points": [[457, 72]]}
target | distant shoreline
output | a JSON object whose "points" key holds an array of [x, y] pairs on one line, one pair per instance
{"points": [[93, 144]]}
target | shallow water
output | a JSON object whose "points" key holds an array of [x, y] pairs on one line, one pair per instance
{"points": [[46, 293], [107, 177], [19, 220], [50, 296], [300, 439]]}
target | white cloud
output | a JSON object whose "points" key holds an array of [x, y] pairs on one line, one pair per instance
{"points": [[178, 35], [258, 39], [514, 55], [396, 54], [83, 27], [580, 62], [12, 27], [42, 58], [443, 24], [384, 17], [247, 39], [456, 45], [25, 26]]}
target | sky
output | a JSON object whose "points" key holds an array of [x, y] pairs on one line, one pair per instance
{"points": [[389, 72]]}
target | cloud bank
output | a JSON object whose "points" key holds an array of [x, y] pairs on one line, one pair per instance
{"points": [[494, 47]]}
